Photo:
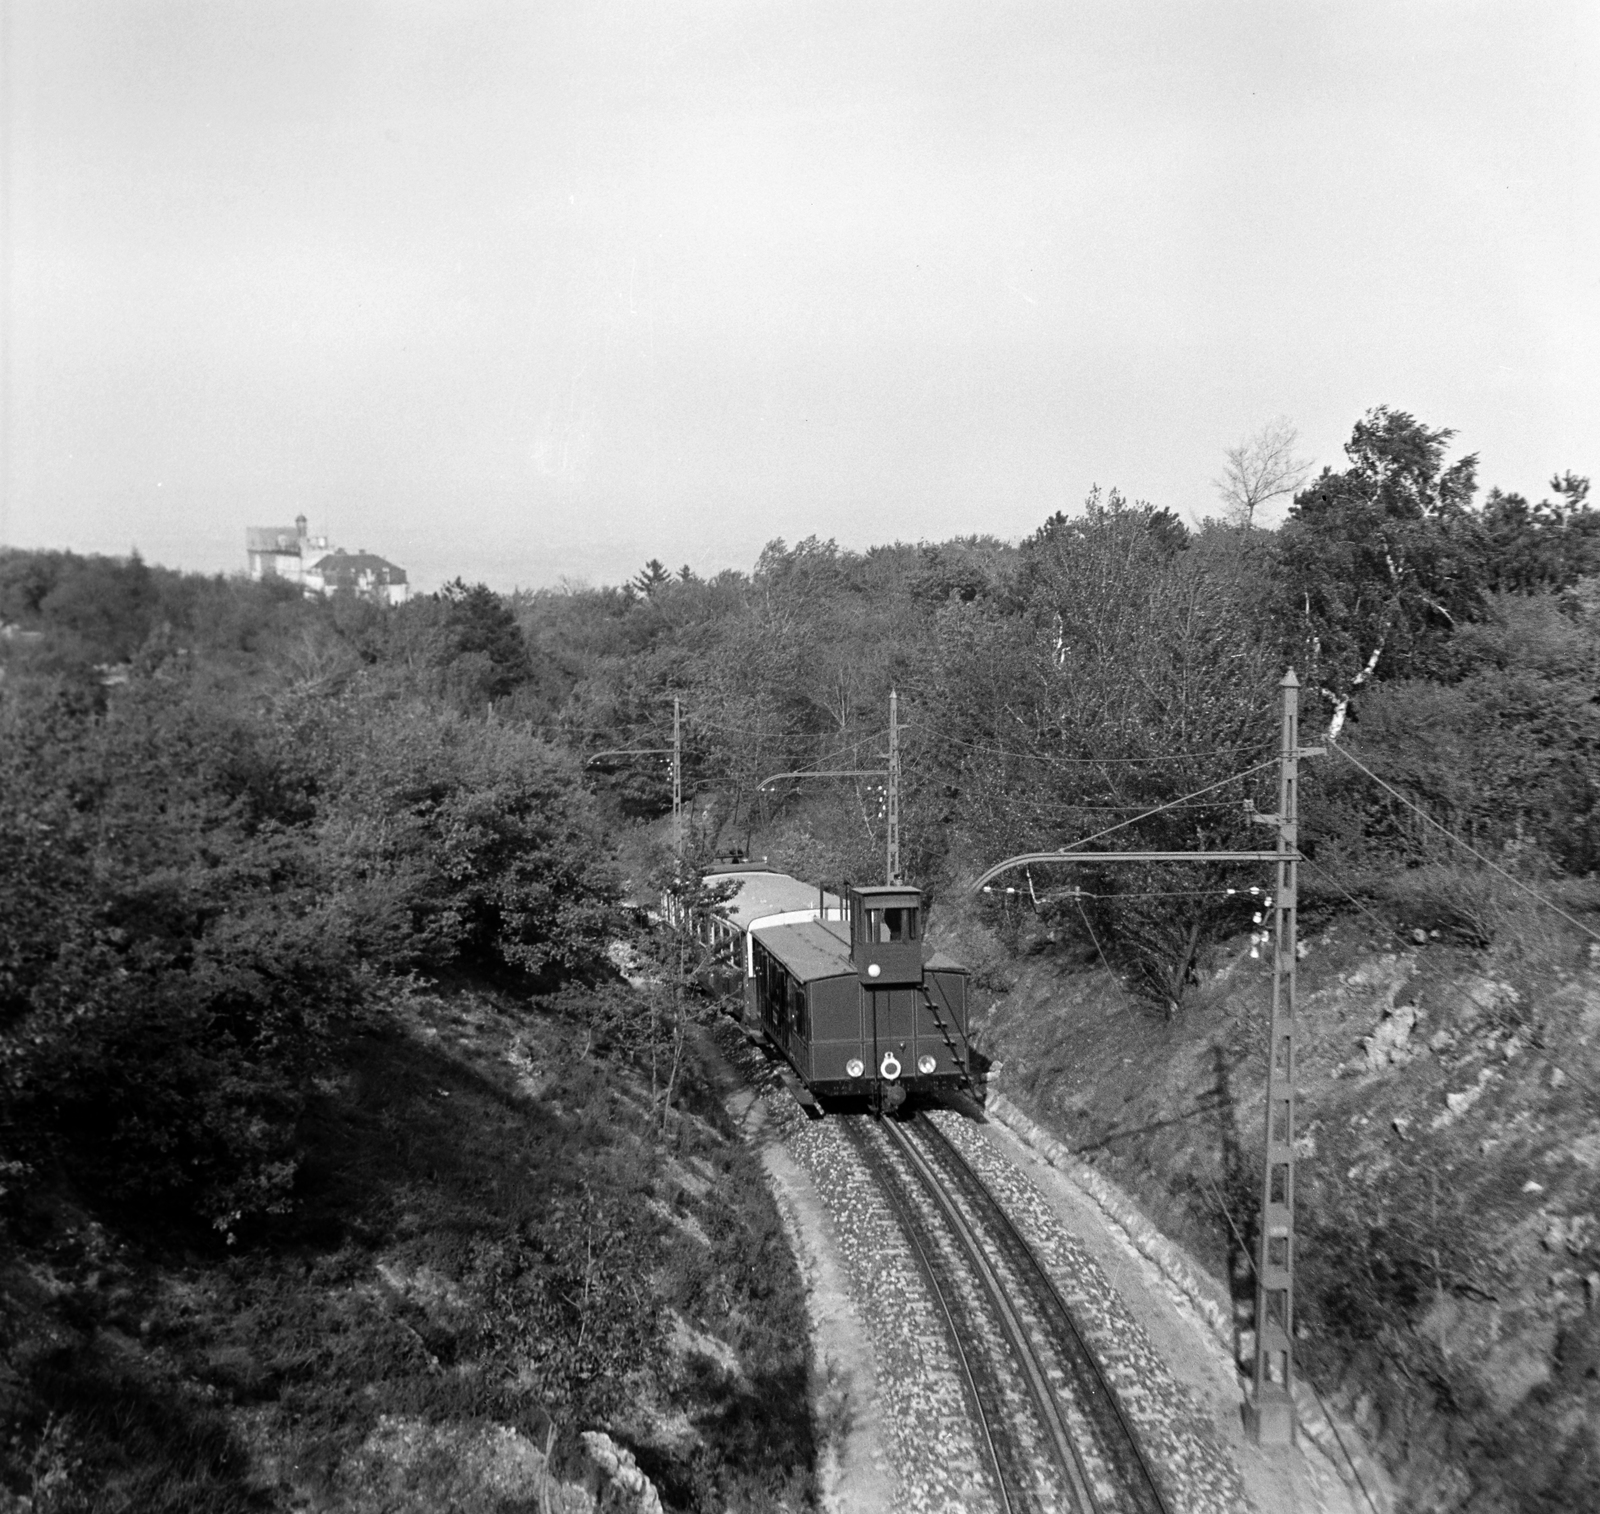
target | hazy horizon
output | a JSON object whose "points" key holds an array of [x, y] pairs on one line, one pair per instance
{"points": [[529, 294]]}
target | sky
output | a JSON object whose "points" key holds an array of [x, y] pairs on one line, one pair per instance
{"points": [[533, 292]]}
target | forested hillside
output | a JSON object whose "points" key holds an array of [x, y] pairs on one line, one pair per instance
{"points": [[269, 865], [1118, 662], [330, 1168]]}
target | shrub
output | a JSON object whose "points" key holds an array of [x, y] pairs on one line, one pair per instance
{"points": [[197, 888]]}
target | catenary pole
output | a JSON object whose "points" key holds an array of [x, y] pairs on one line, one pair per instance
{"points": [[1270, 1412], [892, 869]]}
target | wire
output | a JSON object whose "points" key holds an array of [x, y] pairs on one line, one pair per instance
{"points": [[1000, 751], [1212, 804], [1160, 808], [1387, 929], [1097, 946], [1488, 862], [1198, 893], [844, 751]]}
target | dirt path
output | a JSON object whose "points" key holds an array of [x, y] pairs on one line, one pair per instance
{"points": [[854, 1473]]}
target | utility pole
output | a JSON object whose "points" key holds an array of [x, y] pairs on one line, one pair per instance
{"points": [[1270, 1412], [893, 865]]}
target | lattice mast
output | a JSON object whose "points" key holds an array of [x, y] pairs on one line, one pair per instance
{"points": [[892, 864], [1270, 1413]]}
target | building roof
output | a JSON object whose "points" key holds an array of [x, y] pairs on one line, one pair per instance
{"points": [[271, 539], [765, 893], [340, 566]]}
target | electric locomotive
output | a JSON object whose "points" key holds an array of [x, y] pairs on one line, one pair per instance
{"points": [[846, 989]]}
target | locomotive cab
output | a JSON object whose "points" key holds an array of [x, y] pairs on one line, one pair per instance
{"points": [[886, 936]]}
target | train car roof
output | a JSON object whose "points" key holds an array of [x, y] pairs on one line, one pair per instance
{"points": [[765, 893], [812, 949]]}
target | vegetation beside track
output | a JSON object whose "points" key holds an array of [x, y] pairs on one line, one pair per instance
{"points": [[492, 1245], [333, 1173]]}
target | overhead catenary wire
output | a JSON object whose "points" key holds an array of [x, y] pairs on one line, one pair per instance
{"points": [[776, 732], [993, 750], [1382, 925], [1171, 804], [1255, 891], [842, 752], [1175, 893], [1467, 846], [1097, 946]]}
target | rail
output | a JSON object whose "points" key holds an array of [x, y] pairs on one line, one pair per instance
{"points": [[1005, 1461], [1067, 1456], [1097, 1397]]}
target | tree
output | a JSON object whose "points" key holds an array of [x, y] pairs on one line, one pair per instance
{"points": [[486, 649], [1261, 468], [1130, 674], [1378, 564], [654, 575], [1545, 546]]}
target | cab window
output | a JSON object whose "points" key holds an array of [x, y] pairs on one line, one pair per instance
{"points": [[895, 924]]}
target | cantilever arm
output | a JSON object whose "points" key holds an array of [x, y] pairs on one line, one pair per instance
{"points": [[835, 773], [1029, 858]]}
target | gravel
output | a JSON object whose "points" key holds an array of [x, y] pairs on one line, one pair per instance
{"points": [[1196, 1472], [927, 1446], [936, 1458]]}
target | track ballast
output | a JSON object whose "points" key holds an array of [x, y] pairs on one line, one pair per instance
{"points": [[1054, 1432]]}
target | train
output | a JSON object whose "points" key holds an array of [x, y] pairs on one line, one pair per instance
{"points": [[844, 988]]}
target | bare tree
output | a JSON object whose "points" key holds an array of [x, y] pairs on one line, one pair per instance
{"points": [[1260, 469]]}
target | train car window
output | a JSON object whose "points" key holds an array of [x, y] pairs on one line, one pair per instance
{"points": [[767, 983]]}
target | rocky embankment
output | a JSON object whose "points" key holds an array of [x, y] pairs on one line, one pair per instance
{"points": [[1448, 1170]]}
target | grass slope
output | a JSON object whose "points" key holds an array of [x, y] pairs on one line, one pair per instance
{"points": [[493, 1242]]}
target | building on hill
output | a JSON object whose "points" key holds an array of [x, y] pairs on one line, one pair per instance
{"points": [[362, 573], [282, 551], [292, 553]]}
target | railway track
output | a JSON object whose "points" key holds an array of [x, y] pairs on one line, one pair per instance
{"points": [[1055, 1436]]}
